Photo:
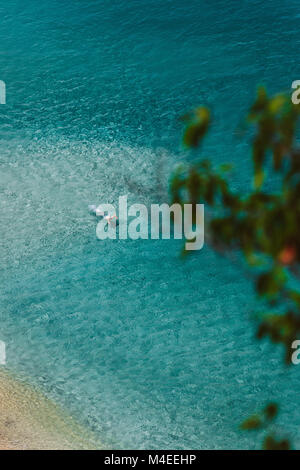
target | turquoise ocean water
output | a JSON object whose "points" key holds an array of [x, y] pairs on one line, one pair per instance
{"points": [[146, 350]]}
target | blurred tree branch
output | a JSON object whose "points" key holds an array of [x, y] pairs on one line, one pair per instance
{"points": [[258, 224]]}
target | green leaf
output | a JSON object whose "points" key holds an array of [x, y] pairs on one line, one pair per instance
{"points": [[259, 177], [197, 127], [271, 411], [253, 422]]}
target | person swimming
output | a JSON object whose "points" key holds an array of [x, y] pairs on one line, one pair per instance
{"points": [[99, 213]]}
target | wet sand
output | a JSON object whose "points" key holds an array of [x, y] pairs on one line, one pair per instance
{"points": [[28, 420]]}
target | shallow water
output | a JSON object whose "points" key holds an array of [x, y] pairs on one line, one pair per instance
{"points": [[147, 350]]}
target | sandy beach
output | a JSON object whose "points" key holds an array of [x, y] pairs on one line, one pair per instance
{"points": [[30, 421]]}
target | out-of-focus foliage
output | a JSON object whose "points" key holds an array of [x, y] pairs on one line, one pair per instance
{"points": [[271, 443], [262, 222], [263, 420], [197, 125]]}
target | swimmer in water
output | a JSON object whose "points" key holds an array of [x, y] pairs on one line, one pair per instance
{"points": [[110, 218], [99, 213]]}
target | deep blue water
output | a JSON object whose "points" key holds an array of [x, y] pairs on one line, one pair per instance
{"points": [[147, 350]]}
